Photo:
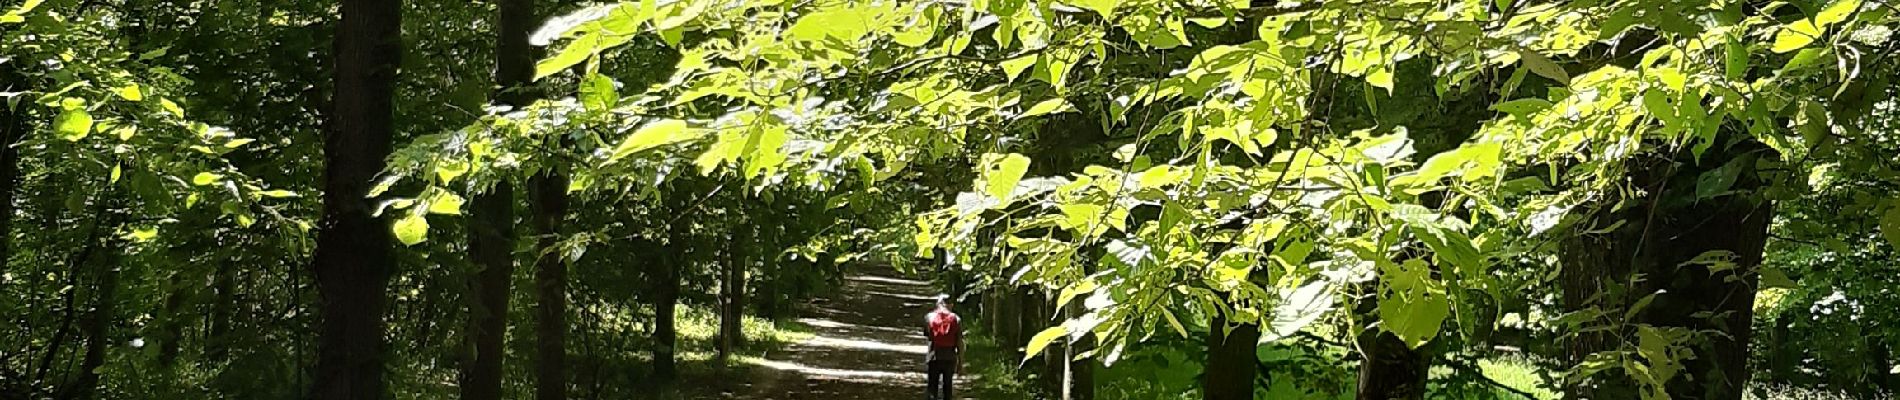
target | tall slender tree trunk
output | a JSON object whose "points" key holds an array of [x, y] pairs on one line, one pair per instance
{"points": [[13, 127], [98, 324], [492, 228], [1232, 363], [353, 256], [1666, 229], [549, 203], [665, 300], [218, 340], [732, 295], [1078, 376]]}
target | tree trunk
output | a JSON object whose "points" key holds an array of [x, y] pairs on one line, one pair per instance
{"points": [[665, 300], [549, 201], [98, 325], [1078, 375], [732, 294], [1391, 370], [353, 263], [1666, 229], [218, 341], [13, 127], [1232, 363], [492, 228]]}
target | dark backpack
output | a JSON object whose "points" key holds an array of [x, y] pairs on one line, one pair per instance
{"points": [[944, 328]]}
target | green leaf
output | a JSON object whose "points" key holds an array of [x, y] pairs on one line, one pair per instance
{"points": [[920, 31], [73, 124], [205, 179], [1042, 340], [652, 135], [597, 93], [171, 107], [1717, 181], [447, 170], [1796, 35], [1001, 172], [573, 53], [845, 24], [1050, 106], [446, 203], [1835, 13], [1735, 60], [412, 229], [1522, 108], [1774, 278], [1890, 224], [1380, 78], [278, 193], [1104, 7], [1542, 66], [1014, 67], [130, 92]]}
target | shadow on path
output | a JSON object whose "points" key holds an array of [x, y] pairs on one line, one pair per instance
{"points": [[867, 344]]}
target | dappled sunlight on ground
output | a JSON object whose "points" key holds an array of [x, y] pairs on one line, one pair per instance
{"points": [[867, 343]]}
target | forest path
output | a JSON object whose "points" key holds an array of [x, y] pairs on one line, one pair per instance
{"points": [[867, 344]]}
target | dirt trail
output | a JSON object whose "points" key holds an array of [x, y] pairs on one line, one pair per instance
{"points": [[868, 344]]}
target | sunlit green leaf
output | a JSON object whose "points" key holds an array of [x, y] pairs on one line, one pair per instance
{"points": [[205, 178], [412, 229], [73, 124], [1042, 340], [1001, 172], [653, 135]]}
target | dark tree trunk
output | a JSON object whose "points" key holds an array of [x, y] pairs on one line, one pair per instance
{"points": [[1665, 230], [665, 299], [1078, 375], [732, 294], [98, 325], [549, 202], [1231, 361], [1391, 370], [491, 242], [353, 262], [13, 127], [492, 228], [218, 341]]}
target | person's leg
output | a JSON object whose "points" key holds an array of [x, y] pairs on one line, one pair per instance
{"points": [[949, 381], [933, 377]]}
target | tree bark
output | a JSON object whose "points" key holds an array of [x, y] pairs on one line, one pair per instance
{"points": [[549, 203], [1667, 228], [732, 294], [13, 127], [1078, 375], [1391, 370], [98, 325], [665, 300], [218, 340], [353, 263], [1232, 363], [492, 228]]}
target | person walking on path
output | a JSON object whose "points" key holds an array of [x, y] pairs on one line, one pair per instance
{"points": [[942, 362]]}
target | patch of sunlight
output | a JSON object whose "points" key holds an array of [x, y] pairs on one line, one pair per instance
{"points": [[830, 372], [905, 296], [825, 323], [884, 279], [822, 341]]}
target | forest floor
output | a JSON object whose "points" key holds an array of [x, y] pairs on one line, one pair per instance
{"points": [[866, 343]]}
